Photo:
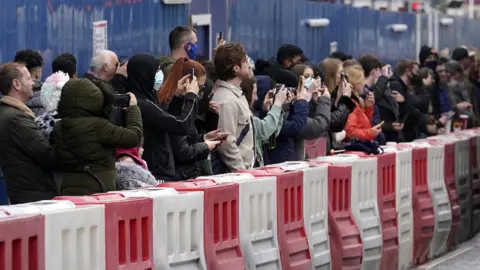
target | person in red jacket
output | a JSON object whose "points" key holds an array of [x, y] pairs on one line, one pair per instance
{"points": [[359, 121]]}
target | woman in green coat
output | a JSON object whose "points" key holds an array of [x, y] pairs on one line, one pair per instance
{"points": [[85, 140]]}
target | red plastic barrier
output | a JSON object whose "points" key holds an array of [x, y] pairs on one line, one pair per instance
{"points": [[423, 215], [475, 186], [315, 148], [451, 185], [22, 242], [222, 243], [128, 229], [386, 166], [345, 239], [292, 240]]}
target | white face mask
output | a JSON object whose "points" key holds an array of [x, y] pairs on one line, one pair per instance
{"points": [[158, 80], [308, 82]]}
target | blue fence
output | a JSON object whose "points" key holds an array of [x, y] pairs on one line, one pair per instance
{"points": [[57, 26]]}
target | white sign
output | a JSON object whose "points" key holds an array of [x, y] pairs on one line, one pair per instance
{"points": [[333, 47], [100, 38]]}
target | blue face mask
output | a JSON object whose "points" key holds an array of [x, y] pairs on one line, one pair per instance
{"points": [[158, 80], [308, 82], [191, 50]]}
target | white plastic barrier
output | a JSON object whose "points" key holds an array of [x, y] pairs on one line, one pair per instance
{"points": [[74, 236], [315, 210], [440, 200], [464, 190], [258, 216], [177, 227], [364, 205], [403, 186]]}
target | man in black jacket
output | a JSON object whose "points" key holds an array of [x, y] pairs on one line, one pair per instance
{"points": [[26, 157]]}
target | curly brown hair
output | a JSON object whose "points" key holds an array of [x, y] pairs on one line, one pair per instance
{"points": [[226, 57]]}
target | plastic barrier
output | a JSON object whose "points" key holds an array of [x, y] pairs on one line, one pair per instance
{"points": [[221, 241], [364, 205], [177, 227], [422, 205], [345, 239], [464, 185], [474, 173], [403, 193], [439, 194], [128, 229], [292, 240], [315, 209], [258, 213], [449, 174], [22, 241], [386, 168], [74, 237]]}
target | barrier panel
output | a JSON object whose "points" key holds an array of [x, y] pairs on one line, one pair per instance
{"points": [[422, 206], [22, 241], [258, 213], [463, 182], [292, 239], [128, 229], [315, 209], [364, 205], [386, 168], [439, 194], [74, 236], [474, 174], [345, 238], [177, 227], [403, 198], [221, 241]]}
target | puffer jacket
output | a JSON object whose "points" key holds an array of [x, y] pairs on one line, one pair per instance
{"points": [[85, 137]]}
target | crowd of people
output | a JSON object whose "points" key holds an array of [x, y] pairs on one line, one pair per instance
{"points": [[136, 123]]}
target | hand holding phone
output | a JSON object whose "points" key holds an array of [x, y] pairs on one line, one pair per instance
{"points": [[122, 100]]}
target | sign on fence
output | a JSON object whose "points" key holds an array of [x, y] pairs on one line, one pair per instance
{"points": [[100, 41]]}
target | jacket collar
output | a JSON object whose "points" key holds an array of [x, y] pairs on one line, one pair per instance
{"points": [[236, 90], [18, 105]]}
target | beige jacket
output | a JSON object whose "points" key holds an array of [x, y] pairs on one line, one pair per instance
{"points": [[234, 115]]}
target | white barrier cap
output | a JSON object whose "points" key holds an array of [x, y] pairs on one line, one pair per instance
{"points": [[39, 207], [150, 192], [229, 177]]}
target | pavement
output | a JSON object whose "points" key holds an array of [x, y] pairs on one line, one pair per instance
{"points": [[465, 257]]}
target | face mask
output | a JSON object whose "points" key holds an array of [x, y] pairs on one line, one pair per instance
{"points": [[308, 82], [191, 50], [158, 80], [431, 64]]}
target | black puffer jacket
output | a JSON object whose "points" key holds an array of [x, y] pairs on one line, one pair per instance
{"points": [[187, 150], [338, 117], [158, 124]]}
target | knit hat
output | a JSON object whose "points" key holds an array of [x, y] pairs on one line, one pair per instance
{"points": [[52, 90]]}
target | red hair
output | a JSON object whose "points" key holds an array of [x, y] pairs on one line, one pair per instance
{"points": [[179, 69]]}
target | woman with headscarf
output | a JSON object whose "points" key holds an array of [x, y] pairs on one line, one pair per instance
{"points": [[157, 122]]}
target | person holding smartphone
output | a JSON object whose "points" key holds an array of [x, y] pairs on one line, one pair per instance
{"points": [[359, 121]]}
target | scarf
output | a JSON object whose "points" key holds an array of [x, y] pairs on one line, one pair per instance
{"points": [[18, 105]]}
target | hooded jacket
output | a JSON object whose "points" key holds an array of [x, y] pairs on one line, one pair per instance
{"points": [[157, 122], [85, 137]]}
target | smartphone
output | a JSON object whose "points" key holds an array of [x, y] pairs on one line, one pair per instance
{"points": [[343, 77], [277, 88], [220, 35], [381, 123], [390, 69], [123, 60], [191, 72], [122, 100]]}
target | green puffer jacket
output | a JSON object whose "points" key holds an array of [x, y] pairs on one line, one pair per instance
{"points": [[84, 137]]}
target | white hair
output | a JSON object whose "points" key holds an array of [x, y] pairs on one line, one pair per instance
{"points": [[100, 59]]}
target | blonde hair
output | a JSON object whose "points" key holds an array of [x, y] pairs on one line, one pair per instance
{"points": [[330, 67], [356, 76]]}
